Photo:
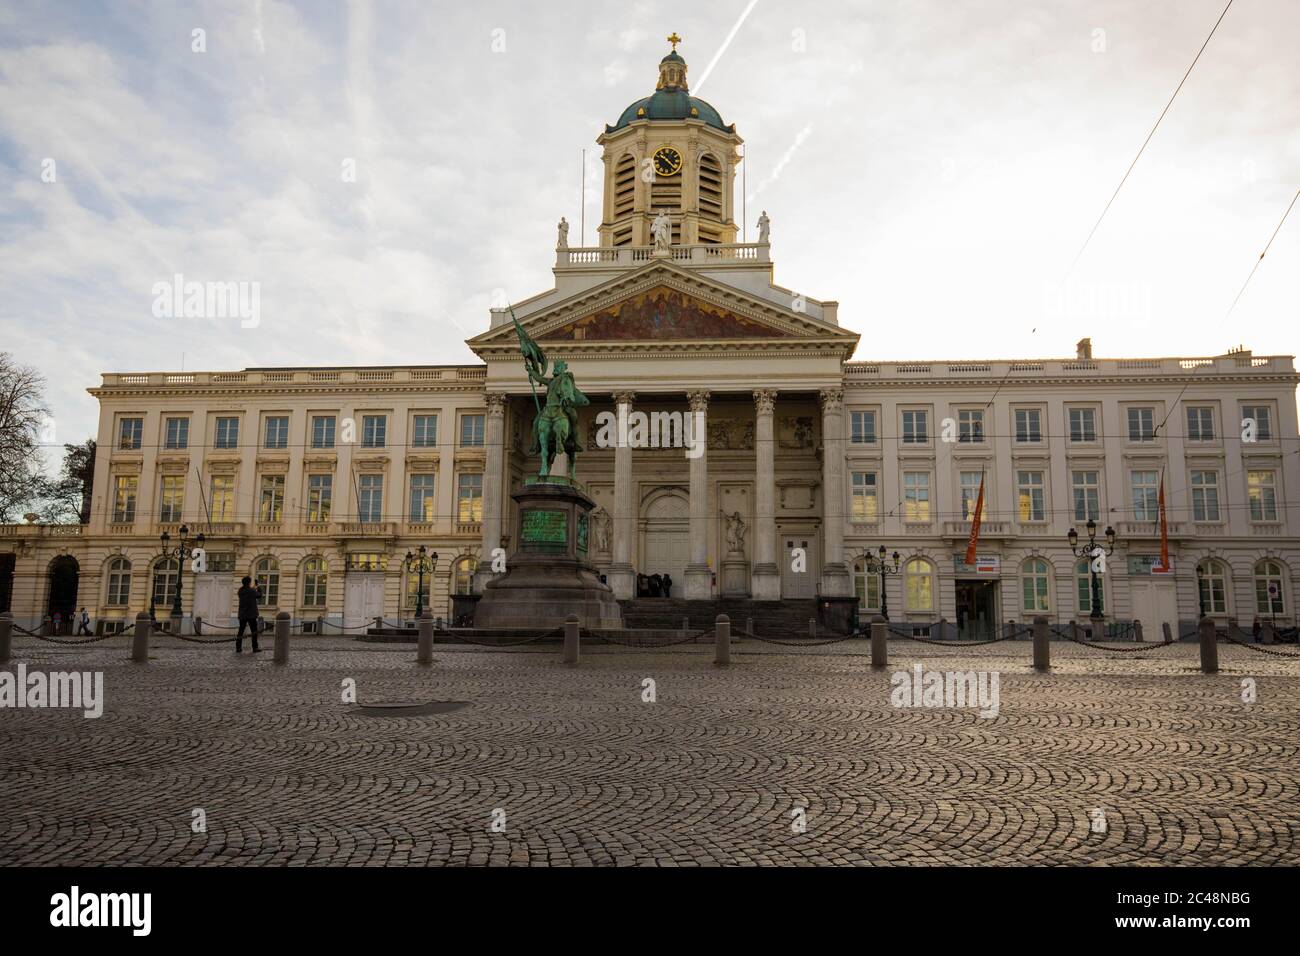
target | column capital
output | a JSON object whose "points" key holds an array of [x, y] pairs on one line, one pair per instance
{"points": [[832, 399], [765, 400], [624, 398], [699, 400], [496, 403]]}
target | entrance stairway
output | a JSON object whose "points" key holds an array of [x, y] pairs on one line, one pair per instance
{"points": [[778, 619]]}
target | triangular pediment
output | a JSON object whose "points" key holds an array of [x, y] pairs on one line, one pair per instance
{"points": [[661, 312], [662, 304]]}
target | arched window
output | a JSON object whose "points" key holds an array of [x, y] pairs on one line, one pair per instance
{"points": [[266, 574], [624, 187], [315, 582], [711, 191], [166, 573], [462, 575], [866, 585], [1035, 586], [1083, 588], [415, 595], [1268, 588], [918, 585], [119, 582], [1212, 579]]}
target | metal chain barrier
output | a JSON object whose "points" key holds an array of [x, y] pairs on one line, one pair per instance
{"points": [[56, 640], [642, 642], [343, 627], [528, 640], [1259, 650], [1137, 649], [801, 643], [199, 640], [942, 643]]}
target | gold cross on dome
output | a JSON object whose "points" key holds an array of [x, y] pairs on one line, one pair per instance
{"points": [[674, 39]]}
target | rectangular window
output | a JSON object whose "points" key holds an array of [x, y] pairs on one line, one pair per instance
{"points": [[469, 497], [374, 431], [322, 431], [130, 431], [1146, 495], [866, 504], [370, 506], [970, 425], [1085, 491], [471, 431], [970, 493], [1083, 424], [867, 587], [1141, 424], [221, 497], [176, 433], [227, 433], [1200, 423], [320, 494], [863, 427], [1031, 496], [1262, 495], [119, 583], [271, 504], [173, 498], [916, 496], [124, 492], [277, 431], [915, 428], [422, 499], [1205, 496], [1262, 416], [424, 433], [1029, 425]]}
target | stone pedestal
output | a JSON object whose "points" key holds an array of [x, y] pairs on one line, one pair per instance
{"points": [[766, 585], [735, 576], [549, 576]]}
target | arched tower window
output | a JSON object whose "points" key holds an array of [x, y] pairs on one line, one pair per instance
{"points": [[712, 207], [624, 191]]}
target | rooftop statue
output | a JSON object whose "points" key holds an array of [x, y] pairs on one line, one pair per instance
{"points": [[556, 424]]}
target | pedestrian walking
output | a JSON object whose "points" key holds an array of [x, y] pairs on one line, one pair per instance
{"points": [[83, 624], [668, 585]]}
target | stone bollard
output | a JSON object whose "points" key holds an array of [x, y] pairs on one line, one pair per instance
{"points": [[1137, 632], [47, 626], [1169, 634], [1042, 645], [722, 641], [140, 639], [686, 626], [425, 653], [282, 638], [198, 625], [6, 635], [1209, 647], [879, 643], [379, 623], [812, 627], [749, 626], [1268, 633], [571, 639]]}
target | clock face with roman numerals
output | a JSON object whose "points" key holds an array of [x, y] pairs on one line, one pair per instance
{"points": [[667, 161]]}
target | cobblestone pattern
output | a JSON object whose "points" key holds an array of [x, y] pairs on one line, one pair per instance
{"points": [[587, 773]]}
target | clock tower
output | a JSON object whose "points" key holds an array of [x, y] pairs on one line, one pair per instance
{"points": [[669, 152]]}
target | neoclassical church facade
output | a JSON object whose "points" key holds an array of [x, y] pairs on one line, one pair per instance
{"points": [[320, 481]]}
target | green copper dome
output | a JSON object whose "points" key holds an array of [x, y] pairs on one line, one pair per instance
{"points": [[669, 105], [671, 99]]}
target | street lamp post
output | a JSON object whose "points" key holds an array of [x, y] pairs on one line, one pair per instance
{"points": [[181, 553], [421, 562], [1093, 550], [878, 565]]}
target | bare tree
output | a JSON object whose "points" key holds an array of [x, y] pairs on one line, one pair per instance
{"points": [[23, 414], [67, 497]]}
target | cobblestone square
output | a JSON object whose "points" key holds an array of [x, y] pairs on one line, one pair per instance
{"points": [[579, 769]]}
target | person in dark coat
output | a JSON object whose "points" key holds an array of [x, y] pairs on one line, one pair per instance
{"points": [[655, 582], [249, 595], [668, 585]]}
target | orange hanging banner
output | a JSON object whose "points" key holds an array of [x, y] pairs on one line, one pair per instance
{"points": [[975, 525], [1164, 530]]}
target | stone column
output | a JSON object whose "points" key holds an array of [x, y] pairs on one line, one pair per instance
{"points": [[622, 576], [836, 580], [765, 583], [698, 574], [493, 481]]}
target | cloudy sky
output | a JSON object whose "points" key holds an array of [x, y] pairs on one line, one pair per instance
{"points": [[933, 165]]}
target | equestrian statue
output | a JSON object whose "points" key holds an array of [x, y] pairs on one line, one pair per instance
{"points": [[556, 424]]}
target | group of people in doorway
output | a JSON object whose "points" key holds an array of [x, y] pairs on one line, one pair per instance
{"points": [[654, 585]]}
